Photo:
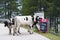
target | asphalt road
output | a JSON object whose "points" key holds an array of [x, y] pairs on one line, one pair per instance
{"points": [[23, 36]]}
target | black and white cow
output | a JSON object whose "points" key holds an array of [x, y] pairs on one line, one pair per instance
{"points": [[10, 25], [23, 20], [18, 21]]}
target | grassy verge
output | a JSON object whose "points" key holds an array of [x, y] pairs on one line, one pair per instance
{"points": [[49, 35]]}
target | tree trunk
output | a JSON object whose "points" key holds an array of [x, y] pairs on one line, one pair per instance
{"points": [[56, 25], [5, 9]]}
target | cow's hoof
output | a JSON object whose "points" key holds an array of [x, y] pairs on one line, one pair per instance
{"points": [[31, 33], [13, 34], [10, 33], [28, 31], [19, 33]]}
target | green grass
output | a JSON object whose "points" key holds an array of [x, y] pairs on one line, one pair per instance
{"points": [[49, 35]]}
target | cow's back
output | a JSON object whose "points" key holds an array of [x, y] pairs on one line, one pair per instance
{"points": [[24, 20]]}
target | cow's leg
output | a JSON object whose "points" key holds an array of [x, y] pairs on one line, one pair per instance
{"points": [[30, 30], [10, 31], [19, 30], [14, 30]]}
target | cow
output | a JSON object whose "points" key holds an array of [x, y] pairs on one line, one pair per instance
{"points": [[17, 21], [23, 20], [10, 25]]}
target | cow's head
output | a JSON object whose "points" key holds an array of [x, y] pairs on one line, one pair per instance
{"points": [[5, 23]]}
